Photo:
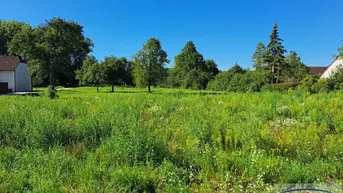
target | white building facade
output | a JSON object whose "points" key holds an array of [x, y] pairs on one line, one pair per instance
{"points": [[14, 75]]}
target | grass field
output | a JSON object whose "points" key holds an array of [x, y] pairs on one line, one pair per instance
{"points": [[169, 141]]}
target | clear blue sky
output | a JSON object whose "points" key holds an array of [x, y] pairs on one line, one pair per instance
{"points": [[224, 30]]}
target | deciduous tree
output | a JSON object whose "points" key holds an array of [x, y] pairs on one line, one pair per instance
{"points": [[149, 64], [91, 72], [223, 79], [59, 46], [82, 73], [296, 70], [115, 70], [8, 29]]}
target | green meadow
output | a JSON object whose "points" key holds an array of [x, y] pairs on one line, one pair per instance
{"points": [[169, 141]]}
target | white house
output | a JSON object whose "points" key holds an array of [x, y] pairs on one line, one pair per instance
{"points": [[14, 75], [338, 63]]}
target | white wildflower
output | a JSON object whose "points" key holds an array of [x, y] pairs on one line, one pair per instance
{"points": [[154, 108]]}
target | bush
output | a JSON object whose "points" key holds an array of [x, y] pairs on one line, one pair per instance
{"points": [[222, 80], [251, 81], [51, 92], [323, 85], [308, 81]]}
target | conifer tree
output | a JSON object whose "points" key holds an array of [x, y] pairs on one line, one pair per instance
{"points": [[275, 55], [258, 58]]}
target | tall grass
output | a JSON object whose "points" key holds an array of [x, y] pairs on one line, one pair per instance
{"points": [[170, 141]]}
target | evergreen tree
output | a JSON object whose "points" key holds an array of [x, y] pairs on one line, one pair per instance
{"points": [[275, 55], [258, 58], [236, 69]]}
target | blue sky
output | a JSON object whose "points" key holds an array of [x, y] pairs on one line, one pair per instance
{"points": [[224, 30]]}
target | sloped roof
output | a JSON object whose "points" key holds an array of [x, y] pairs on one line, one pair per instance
{"points": [[317, 71], [9, 63]]}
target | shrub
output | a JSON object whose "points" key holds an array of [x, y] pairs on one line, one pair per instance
{"points": [[51, 92], [323, 85], [308, 82], [251, 81]]}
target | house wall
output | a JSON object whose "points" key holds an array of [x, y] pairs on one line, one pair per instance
{"points": [[331, 69], [22, 78], [8, 76]]}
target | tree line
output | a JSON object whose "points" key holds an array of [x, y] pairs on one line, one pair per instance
{"points": [[58, 53]]}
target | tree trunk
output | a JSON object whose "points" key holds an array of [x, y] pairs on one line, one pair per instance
{"points": [[149, 90], [52, 79], [112, 87], [97, 87]]}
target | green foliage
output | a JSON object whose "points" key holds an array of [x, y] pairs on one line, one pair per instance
{"points": [[191, 70], [340, 50], [275, 55], [308, 82], [83, 73], [315, 85], [271, 59], [221, 82], [91, 72], [337, 78], [237, 79], [211, 68], [259, 57], [8, 29], [51, 92], [149, 64], [223, 79], [251, 81], [116, 71], [57, 47], [296, 70]]}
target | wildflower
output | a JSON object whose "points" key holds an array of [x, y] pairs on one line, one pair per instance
{"points": [[154, 108], [288, 122]]}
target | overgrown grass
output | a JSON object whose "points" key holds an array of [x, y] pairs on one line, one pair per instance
{"points": [[168, 141]]}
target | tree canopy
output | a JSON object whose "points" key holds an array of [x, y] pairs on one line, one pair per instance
{"points": [[8, 29], [275, 55], [58, 46], [115, 70], [57, 52], [91, 72], [259, 57], [296, 70], [191, 70], [149, 64]]}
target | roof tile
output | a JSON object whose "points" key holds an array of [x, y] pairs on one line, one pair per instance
{"points": [[8, 63], [317, 71]]}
